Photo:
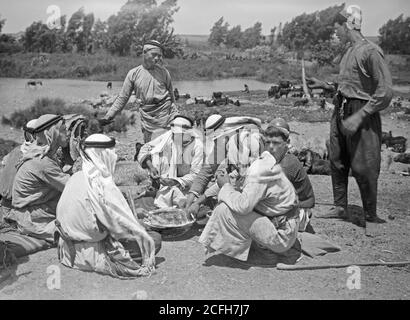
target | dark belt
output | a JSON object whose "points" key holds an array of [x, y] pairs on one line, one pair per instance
{"points": [[343, 102]]}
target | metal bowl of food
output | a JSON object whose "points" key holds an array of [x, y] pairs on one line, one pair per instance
{"points": [[170, 222]]}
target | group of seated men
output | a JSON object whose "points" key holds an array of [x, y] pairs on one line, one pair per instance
{"points": [[260, 192]]}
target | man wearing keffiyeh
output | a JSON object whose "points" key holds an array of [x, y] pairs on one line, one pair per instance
{"points": [[364, 89], [8, 168], [39, 180], [152, 85], [97, 229]]}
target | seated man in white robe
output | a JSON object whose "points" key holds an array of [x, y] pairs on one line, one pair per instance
{"points": [[98, 231], [233, 143], [174, 158], [265, 211]]}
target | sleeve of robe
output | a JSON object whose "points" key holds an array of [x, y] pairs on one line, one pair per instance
{"points": [[244, 202], [382, 80], [170, 87], [53, 175], [123, 97], [145, 151]]}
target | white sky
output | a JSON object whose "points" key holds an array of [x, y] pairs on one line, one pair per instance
{"points": [[198, 16]]}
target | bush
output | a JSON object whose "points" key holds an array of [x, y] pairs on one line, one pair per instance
{"points": [[57, 106]]}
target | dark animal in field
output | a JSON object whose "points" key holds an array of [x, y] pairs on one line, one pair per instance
{"points": [[398, 144], [403, 158], [185, 96], [217, 95], [246, 90], [283, 92], [273, 91], [313, 163], [109, 85], [297, 94], [283, 84], [33, 83]]}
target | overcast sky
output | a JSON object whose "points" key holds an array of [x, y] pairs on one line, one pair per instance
{"points": [[198, 16]]}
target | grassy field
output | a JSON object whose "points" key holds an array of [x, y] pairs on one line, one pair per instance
{"points": [[210, 64]]}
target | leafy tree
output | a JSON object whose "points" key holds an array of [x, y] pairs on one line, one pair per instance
{"points": [[272, 36], [88, 23], [219, 32], [39, 38], [395, 35], [140, 20], [324, 52], [75, 28], [79, 29], [7, 42], [234, 37], [306, 30], [251, 37], [99, 34]]}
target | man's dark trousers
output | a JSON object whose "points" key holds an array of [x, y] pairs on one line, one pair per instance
{"points": [[359, 152]]}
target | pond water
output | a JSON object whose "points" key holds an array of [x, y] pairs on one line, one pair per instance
{"points": [[14, 94]]}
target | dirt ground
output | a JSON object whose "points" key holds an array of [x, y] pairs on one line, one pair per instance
{"points": [[185, 272]]}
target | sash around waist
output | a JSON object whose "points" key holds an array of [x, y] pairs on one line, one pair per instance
{"points": [[150, 107], [289, 214]]}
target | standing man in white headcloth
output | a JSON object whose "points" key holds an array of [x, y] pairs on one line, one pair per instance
{"points": [[152, 85], [364, 89]]}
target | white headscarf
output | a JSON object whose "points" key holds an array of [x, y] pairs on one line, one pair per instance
{"points": [[107, 200], [47, 143], [29, 137]]}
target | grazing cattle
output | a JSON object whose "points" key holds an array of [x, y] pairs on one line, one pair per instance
{"points": [[109, 85], [398, 144], [33, 83], [217, 95], [283, 84], [273, 91], [297, 94], [403, 158], [284, 92]]}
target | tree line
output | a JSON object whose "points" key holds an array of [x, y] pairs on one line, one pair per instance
{"points": [[123, 33], [312, 32]]}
